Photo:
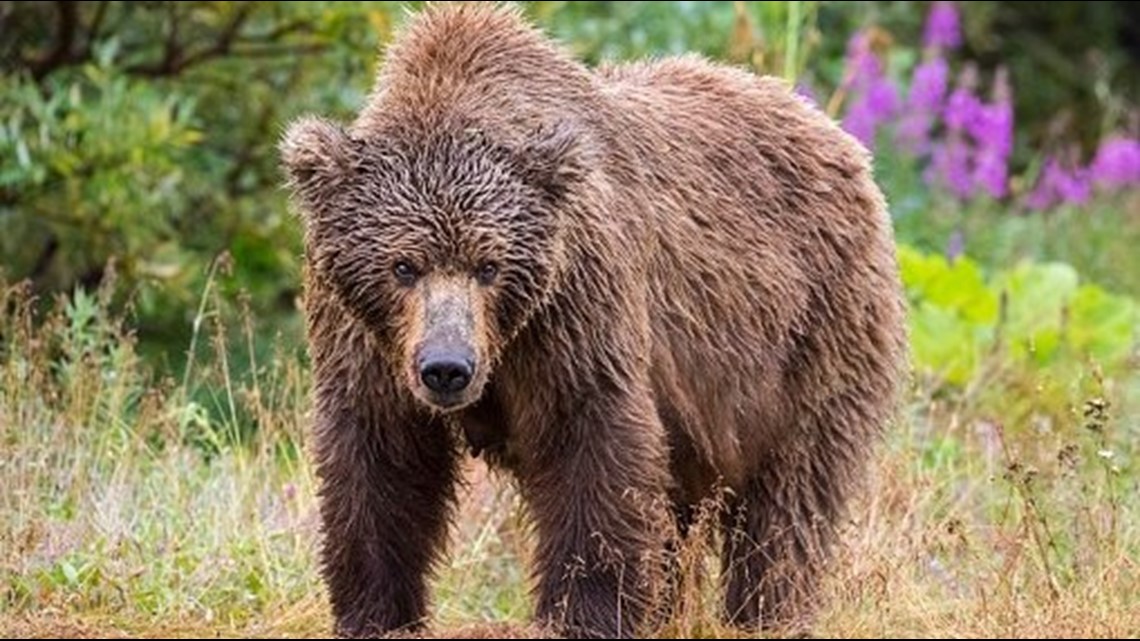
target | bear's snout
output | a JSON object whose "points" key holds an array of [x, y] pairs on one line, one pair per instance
{"points": [[446, 366], [447, 371]]}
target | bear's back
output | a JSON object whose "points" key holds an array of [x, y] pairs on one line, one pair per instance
{"points": [[759, 209]]}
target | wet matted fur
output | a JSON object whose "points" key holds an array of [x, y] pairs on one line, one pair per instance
{"points": [[652, 281]]}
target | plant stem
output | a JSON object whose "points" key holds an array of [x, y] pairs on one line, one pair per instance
{"points": [[792, 33]]}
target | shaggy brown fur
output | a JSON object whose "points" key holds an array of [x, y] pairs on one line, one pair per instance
{"points": [[645, 281]]}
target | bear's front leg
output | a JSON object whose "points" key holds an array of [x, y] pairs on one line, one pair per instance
{"points": [[387, 488], [595, 485]]}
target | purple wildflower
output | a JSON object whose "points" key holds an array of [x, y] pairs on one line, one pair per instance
{"points": [[874, 99], [992, 124], [860, 121], [883, 98], [924, 102], [1074, 186], [961, 109], [942, 28], [928, 87], [992, 131], [991, 171], [1117, 163], [1059, 184], [950, 166], [876, 104]]}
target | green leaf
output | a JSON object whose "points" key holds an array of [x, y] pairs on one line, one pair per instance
{"points": [[946, 344], [1102, 325], [1036, 294], [70, 573]]}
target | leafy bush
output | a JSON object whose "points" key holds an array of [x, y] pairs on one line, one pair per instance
{"points": [[91, 183], [144, 134], [1035, 315]]}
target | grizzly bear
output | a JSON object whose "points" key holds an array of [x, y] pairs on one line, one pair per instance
{"points": [[631, 287]]}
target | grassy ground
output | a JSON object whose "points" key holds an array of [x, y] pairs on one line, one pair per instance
{"points": [[138, 508]]}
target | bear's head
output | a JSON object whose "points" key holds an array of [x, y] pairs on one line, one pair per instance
{"points": [[443, 244]]}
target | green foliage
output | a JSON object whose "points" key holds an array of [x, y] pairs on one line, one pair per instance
{"points": [[92, 184], [772, 37], [131, 148], [123, 493], [1098, 240], [143, 134], [1034, 314]]}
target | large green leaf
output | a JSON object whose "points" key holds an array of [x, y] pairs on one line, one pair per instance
{"points": [[945, 344], [1102, 325], [1041, 313], [958, 286], [1036, 296]]}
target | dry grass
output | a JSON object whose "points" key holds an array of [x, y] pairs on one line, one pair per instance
{"points": [[135, 508]]}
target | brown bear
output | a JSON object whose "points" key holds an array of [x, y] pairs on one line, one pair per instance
{"points": [[631, 287]]}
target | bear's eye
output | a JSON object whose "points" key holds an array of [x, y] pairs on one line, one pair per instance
{"points": [[405, 273], [486, 273]]}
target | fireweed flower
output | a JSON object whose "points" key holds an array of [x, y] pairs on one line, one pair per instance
{"points": [[874, 99], [992, 124], [1074, 186], [992, 131], [952, 161], [961, 109], [1117, 163], [942, 27], [928, 88], [991, 172], [1057, 184], [923, 104], [950, 166], [1045, 194], [871, 108]]}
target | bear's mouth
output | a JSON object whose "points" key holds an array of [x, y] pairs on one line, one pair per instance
{"points": [[445, 403]]}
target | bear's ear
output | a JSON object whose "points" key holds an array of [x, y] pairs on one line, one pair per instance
{"points": [[315, 152], [554, 159]]}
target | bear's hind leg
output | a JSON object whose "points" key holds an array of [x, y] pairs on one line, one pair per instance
{"points": [[777, 532]]}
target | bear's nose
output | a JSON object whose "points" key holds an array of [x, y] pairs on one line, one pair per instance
{"points": [[446, 373]]}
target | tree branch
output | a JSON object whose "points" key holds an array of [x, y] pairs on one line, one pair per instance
{"points": [[172, 48], [174, 62], [67, 19], [74, 42], [96, 25]]}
